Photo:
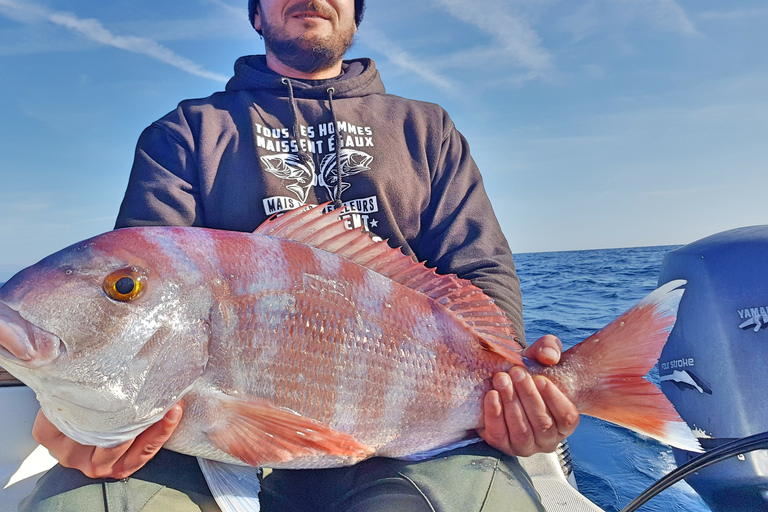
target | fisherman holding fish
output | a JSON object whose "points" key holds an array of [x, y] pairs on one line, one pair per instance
{"points": [[301, 126]]}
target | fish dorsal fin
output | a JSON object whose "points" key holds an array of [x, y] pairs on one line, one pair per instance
{"points": [[326, 231]]}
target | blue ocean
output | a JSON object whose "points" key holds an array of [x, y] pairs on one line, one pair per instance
{"points": [[572, 294]]}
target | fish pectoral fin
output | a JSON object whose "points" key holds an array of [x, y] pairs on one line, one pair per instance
{"points": [[260, 434], [235, 488]]}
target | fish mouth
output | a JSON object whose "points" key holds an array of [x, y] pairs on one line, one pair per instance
{"points": [[23, 343]]}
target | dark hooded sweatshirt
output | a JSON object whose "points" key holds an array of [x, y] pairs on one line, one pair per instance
{"points": [[268, 144]]}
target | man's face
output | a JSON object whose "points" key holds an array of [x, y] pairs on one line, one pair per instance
{"points": [[307, 35]]}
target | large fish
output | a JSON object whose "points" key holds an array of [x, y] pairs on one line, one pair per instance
{"points": [[302, 345]]}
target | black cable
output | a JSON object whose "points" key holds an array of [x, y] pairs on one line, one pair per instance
{"points": [[728, 450]]}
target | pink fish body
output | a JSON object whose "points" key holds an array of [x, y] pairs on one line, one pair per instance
{"points": [[302, 345]]}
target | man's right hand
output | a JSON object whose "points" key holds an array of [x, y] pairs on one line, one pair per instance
{"points": [[525, 415], [118, 462]]}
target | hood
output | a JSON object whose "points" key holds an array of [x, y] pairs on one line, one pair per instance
{"points": [[359, 78]]}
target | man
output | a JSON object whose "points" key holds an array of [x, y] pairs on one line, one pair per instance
{"points": [[300, 126]]}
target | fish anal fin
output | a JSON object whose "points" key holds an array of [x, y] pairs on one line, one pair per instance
{"points": [[259, 433], [326, 231], [235, 488]]}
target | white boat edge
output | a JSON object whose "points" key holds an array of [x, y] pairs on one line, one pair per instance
{"points": [[23, 461]]}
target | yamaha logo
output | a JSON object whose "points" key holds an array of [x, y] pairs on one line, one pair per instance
{"points": [[754, 318]]}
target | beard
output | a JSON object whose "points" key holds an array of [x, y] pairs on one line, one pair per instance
{"points": [[307, 54]]}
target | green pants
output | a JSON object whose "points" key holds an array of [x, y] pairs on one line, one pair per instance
{"points": [[473, 478]]}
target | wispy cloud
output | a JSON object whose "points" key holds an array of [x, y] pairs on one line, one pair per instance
{"points": [[95, 31], [510, 29], [664, 14], [240, 11], [511, 24], [736, 14], [404, 60]]}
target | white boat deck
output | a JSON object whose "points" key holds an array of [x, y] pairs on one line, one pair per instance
{"points": [[22, 460]]}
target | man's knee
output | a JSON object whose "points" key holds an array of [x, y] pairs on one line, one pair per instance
{"points": [[170, 481]]}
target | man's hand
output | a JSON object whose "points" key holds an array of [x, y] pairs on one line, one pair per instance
{"points": [[526, 415], [118, 462]]}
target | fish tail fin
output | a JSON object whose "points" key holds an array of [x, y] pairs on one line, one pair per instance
{"points": [[609, 366]]}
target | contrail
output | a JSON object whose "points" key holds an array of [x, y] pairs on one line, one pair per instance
{"points": [[511, 30], [95, 31], [376, 39]]}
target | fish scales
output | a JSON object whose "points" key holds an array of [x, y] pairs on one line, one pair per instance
{"points": [[301, 345], [314, 322], [260, 320]]}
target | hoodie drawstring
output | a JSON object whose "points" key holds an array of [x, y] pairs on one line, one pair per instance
{"points": [[303, 157], [336, 200]]}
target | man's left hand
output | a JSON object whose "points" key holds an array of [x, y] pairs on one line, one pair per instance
{"points": [[526, 415]]}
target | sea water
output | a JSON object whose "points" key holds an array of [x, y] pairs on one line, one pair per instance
{"points": [[572, 294]]}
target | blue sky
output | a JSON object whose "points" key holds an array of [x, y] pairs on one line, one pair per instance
{"points": [[596, 123]]}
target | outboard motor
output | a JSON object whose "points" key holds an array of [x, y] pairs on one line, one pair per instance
{"points": [[714, 367]]}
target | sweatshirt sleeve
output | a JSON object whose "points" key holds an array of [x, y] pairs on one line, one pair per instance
{"points": [[461, 233], [163, 188]]}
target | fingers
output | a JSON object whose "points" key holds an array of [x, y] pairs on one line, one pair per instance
{"points": [[43, 431], [542, 434], [525, 415], [147, 444], [97, 462], [68, 452], [495, 430], [563, 411], [546, 350], [118, 462], [506, 426]]}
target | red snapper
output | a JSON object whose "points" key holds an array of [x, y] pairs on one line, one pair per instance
{"points": [[302, 345]]}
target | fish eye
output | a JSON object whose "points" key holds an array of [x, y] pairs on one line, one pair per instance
{"points": [[124, 285]]}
